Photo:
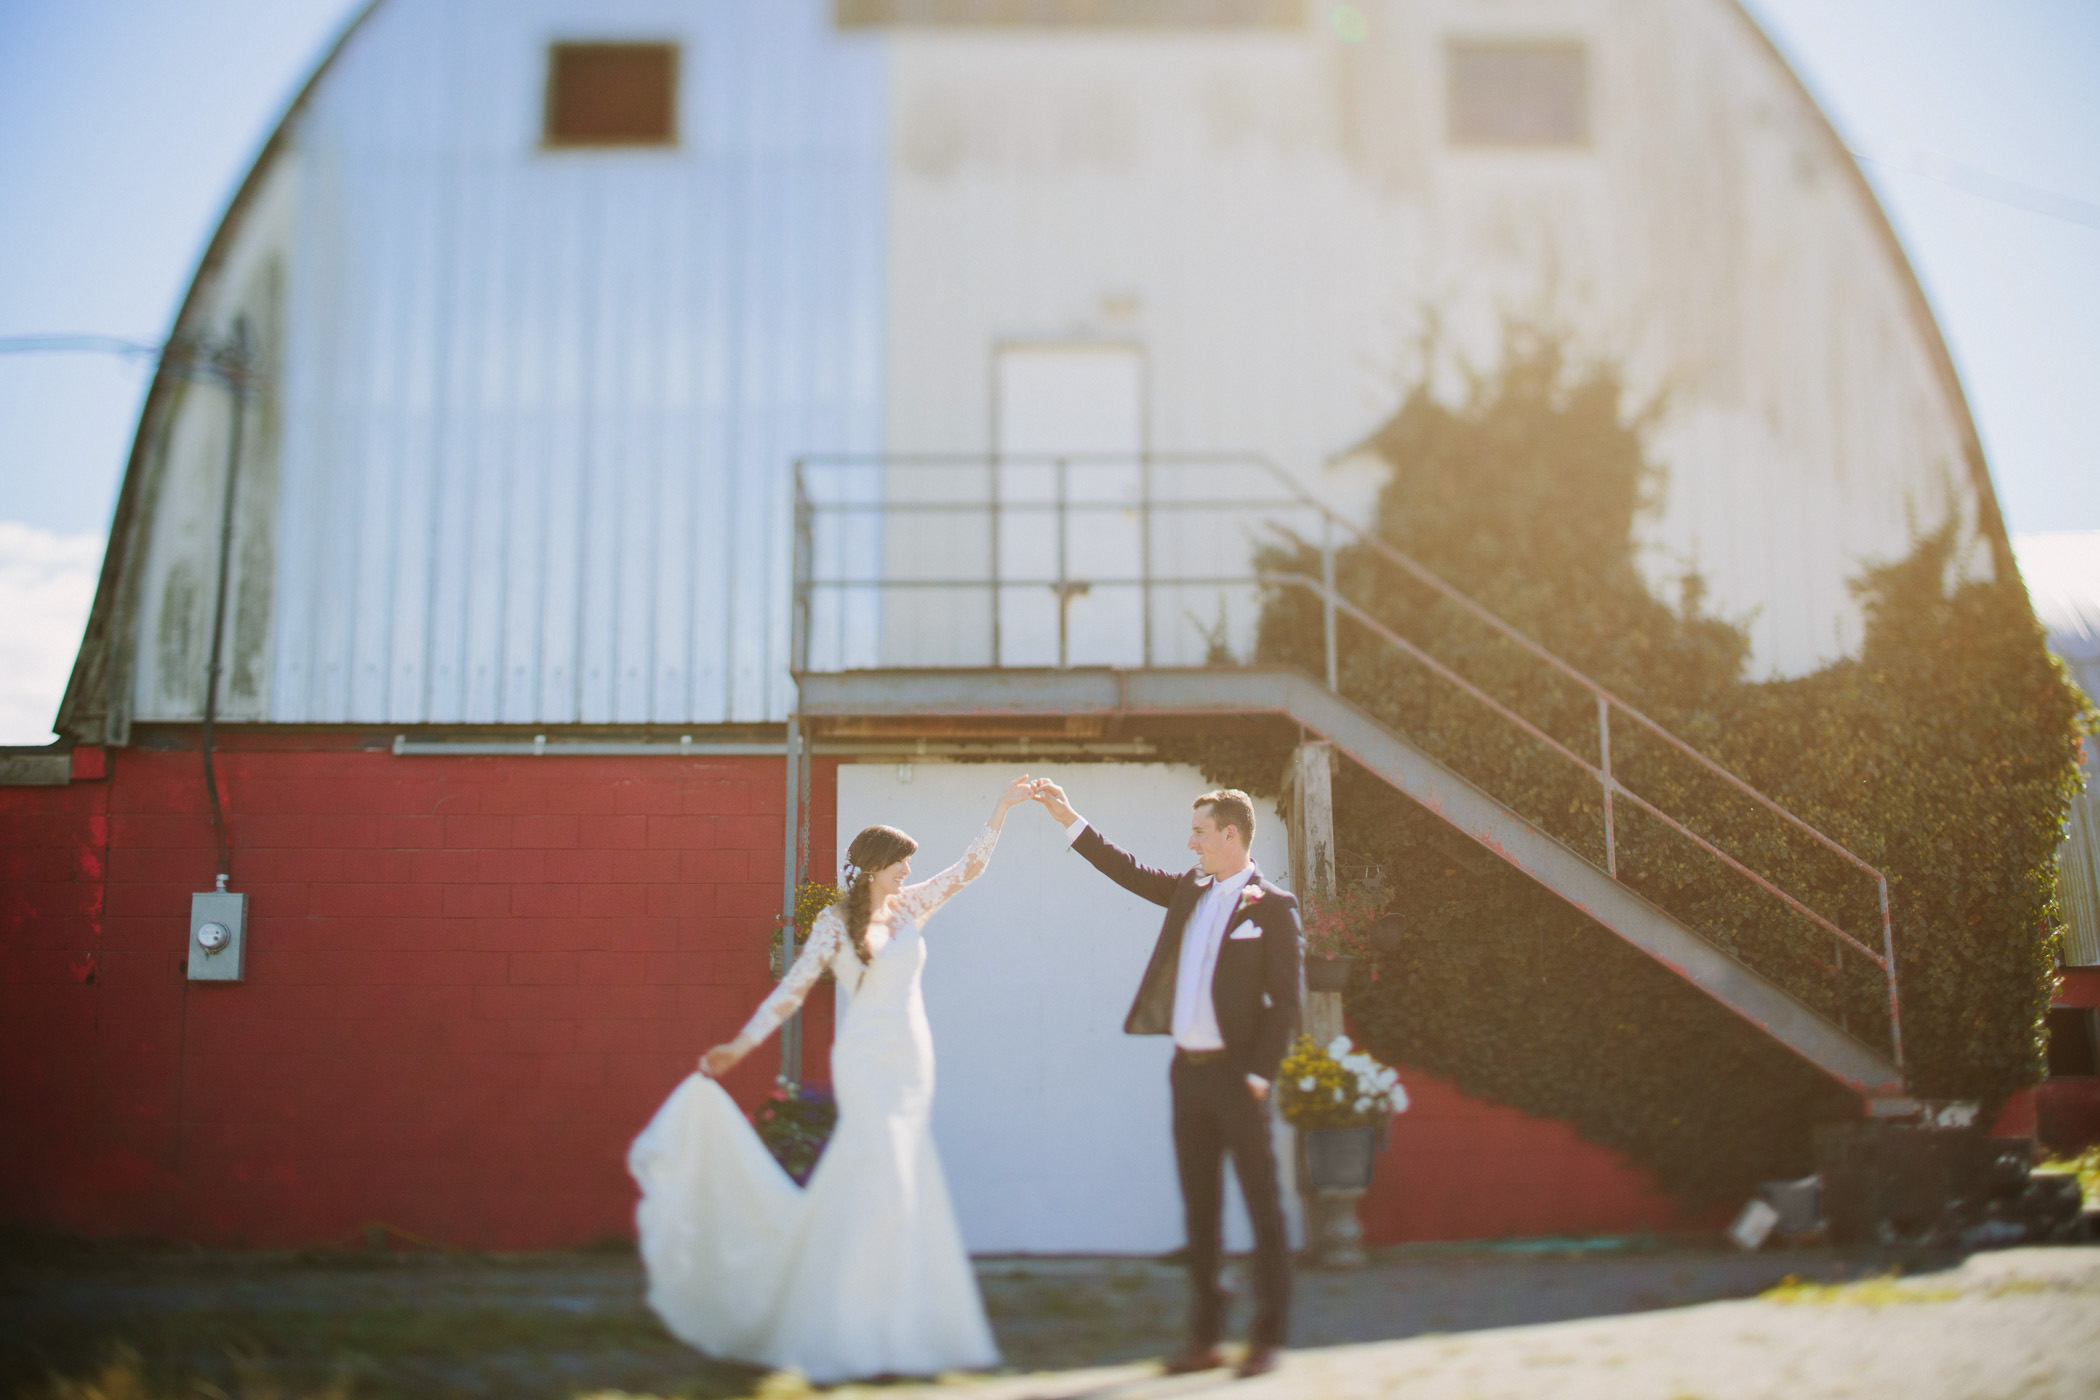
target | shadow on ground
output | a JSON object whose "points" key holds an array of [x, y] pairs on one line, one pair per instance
{"points": [[546, 1325]]}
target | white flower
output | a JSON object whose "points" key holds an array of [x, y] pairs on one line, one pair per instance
{"points": [[1362, 1106], [1337, 1096], [1308, 1084], [1339, 1046], [1398, 1098]]}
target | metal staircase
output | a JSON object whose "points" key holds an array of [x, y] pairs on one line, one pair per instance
{"points": [[883, 685]]}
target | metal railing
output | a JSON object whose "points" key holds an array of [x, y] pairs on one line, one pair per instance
{"points": [[1290, 515], [1018, 500]]}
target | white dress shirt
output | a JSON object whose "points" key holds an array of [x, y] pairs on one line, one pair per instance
{"points": [[1195, 1014]]}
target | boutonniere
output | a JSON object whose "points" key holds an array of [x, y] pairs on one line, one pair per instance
{"points": [[1249, 897]]}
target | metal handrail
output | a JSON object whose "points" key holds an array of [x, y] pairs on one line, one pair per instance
{"points": [[1603, 774], [1334, 605]]}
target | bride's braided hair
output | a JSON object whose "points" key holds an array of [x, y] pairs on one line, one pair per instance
{"points": [[875, 848]]}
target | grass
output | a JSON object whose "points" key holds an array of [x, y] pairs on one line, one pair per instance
{"points": [[1880, 1291], [122, 1377], [413, 1331]]}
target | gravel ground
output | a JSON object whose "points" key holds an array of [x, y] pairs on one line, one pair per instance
{"points": [[1428, 1321]]}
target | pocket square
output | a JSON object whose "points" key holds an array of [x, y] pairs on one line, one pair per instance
{"points": [[1247, 930]]}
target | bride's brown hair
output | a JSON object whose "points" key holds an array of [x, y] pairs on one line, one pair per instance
{"points": [[872, 850]]}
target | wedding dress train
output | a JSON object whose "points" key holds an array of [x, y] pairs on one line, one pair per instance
{"points": [[863, 1272]]}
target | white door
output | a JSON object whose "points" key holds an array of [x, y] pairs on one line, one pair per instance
{"points": [[1052, 1124], [1068, 596]]}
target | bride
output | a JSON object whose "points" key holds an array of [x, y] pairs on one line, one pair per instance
{"points": [[863, 1273]]}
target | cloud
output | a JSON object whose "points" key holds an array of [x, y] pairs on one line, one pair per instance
{"points": [[47, 581]]}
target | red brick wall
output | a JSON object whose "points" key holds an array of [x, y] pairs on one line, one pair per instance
{"points": [[469, 983]]}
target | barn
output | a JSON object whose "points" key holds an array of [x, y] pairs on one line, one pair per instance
{"points": [[613, 449]]}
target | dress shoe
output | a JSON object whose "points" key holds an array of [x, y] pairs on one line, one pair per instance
{"points": [[1259, 1361], [1194, 1358]]}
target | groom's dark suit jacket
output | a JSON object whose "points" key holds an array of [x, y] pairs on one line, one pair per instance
{"points": [[1255, 987]]}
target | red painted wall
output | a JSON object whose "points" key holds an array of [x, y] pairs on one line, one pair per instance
{"points": [[469, 983], [54, 846], [2062, 1115], [1459, 1168]]}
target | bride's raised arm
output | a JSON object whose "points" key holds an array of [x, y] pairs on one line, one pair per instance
{"points": [[826, 936], [918, 901]]}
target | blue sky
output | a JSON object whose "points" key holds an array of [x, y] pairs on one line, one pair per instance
{"points": [[128, 123]]}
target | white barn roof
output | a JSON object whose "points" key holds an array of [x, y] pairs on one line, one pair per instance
{"points": [[520, 454]]}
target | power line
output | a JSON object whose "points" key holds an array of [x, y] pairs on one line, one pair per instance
{"points": [[1983, 184], [87, 344], [221, 361]]}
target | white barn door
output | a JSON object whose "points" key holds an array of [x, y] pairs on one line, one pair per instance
{"points": [[1089, 401], [1052, 1123]]}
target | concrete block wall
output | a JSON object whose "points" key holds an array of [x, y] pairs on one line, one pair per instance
{"points": [[469, 983]]}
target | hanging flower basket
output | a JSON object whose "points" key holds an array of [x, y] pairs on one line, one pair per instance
{"points": [[1339, 925], [1327, 974]]}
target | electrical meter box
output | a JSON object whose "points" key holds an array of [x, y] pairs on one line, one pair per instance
{"points": [[218, 935]]}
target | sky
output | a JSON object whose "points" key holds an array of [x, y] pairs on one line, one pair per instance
{"points": [[125, 126]]}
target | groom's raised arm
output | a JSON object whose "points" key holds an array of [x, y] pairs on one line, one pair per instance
{"points": [[1111, 860], [1122, 867]]}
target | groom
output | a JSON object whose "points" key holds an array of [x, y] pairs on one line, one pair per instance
{"points": [[1223, 981]]}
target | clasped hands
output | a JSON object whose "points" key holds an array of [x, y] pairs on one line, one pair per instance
{"points": [[1052, 799]]}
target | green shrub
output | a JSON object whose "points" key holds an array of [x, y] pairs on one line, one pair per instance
{"points": [[1944, 754]]}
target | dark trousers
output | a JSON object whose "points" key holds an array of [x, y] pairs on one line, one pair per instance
{"points": [[1216, 1113]]}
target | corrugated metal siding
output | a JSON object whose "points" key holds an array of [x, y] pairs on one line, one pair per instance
{"points": [[2079, 881], [541, 405], [2071, 613], [538, 407], [1272, 217]]}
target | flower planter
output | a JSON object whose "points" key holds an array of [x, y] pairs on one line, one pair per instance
{"points": [[1336, 1084], [1327, 974], [1340, 1159]]}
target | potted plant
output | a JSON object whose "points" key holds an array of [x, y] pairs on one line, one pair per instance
{"points": [[1340, 1100], [795, 1122], [1337, 932], [812, 897]]}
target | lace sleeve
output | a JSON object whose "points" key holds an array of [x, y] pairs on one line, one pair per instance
{"points": [[917, 902], [825, 937]]}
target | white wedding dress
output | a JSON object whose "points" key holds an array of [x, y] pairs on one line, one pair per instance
{"points": [[862, 1273]]}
